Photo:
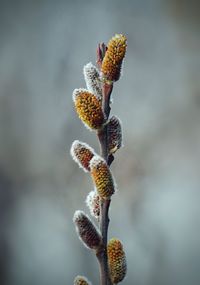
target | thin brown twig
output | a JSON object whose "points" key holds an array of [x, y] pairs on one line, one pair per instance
{"points": [[105, 204]]}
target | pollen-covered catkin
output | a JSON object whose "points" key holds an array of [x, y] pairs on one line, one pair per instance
{"points": [[88, 108], [114, 134], [82, 153], [86, 230], [112, 61], [102, 177], [81, 280], [93, 203], [116, 260], [92, 80]]}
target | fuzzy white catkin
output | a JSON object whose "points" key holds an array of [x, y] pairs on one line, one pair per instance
{"points": [[93, 80], [93, 203], [114, 134]]}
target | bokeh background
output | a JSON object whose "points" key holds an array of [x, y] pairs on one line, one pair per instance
{"points": [[156, 212]]}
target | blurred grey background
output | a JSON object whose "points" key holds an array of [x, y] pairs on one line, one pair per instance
{"points": [[156, 213]]}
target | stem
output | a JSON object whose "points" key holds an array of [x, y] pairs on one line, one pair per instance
{"points": [[102, 254], [103, 133], [104, 217]]}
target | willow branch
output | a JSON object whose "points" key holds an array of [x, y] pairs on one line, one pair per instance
{"points": [[104, 216]]}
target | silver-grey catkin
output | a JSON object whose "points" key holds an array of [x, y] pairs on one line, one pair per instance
{"points": [[86, 230], [92, 80]]}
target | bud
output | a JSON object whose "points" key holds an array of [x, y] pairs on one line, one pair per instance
{"points": [[81, 280], [86, 230], [102, 177], [114, 134], [82, 153], [92, 79], [93, 203], [116, 260], [112, 61], [88, 108]]}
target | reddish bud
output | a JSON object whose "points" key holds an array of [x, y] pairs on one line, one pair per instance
{"points": [[82, 153], [86, 230]]}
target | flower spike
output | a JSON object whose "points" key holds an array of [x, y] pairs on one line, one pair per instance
{"points": [[92, 79], [112, 61], [86, 230], [116, 260], [93, 203], [88, 108], [81, 280], [114, 134], [82, 153], [102, 177]]}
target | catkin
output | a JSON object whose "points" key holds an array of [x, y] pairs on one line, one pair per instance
{"points": [[86, 230], [102, 177], [82, 153], [116, 260], [112, 61], [88, 108], [81, 280]]}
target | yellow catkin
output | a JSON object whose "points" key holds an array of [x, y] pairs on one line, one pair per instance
{"points": [[81, 280], [88, 108], [82, 153], [112, 61], [116, 260], [102, 177]]}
